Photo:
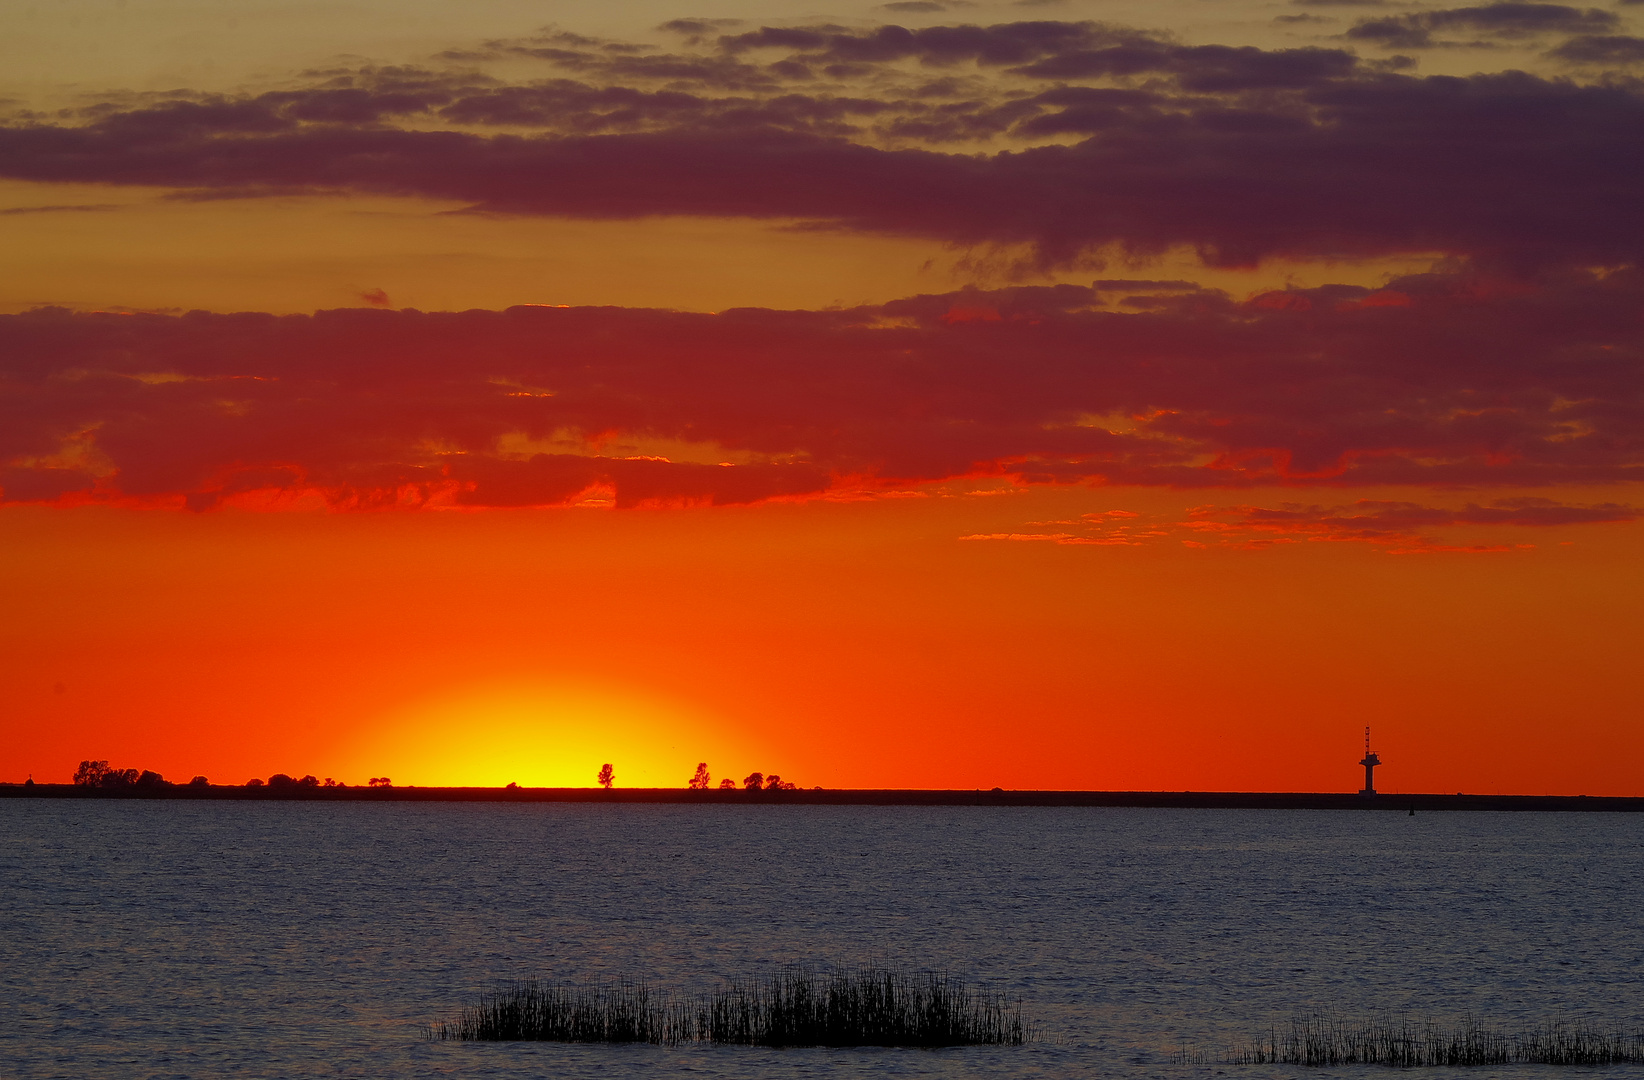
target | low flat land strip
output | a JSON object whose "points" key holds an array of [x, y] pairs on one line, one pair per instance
{"points": [[1205, 800]]}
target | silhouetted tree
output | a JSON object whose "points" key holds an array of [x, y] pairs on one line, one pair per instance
{"points": [[118, 778], [379, 781], [90, 773], [754, 781], [727, 784], [254, 782], [774, 782], [199, 781], [607, 776], [150, 780], [701, 781]]}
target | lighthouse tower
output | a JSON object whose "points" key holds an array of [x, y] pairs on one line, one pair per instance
{"points": [[1370, 762]]}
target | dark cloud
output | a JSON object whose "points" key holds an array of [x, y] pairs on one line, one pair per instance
{"points": [[994, 46], [1203, 68], [1435, 380], [1506, 167], [1135, 285], [699, 27], [65, 208], [1240, 153], [920, 7], [1510, 19], [1399, 527], [1609, 50]]}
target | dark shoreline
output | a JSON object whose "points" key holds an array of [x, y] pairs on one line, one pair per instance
{"points": [[1201, 800]]}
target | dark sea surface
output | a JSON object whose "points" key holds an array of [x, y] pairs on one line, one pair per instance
{"points": [[286, 940]]}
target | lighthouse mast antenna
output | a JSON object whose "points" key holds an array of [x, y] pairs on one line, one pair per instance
{"points": [[1370, 762]]}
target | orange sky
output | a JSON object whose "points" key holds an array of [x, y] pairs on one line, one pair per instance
{"points": [[1057, 451], [854, 644]]}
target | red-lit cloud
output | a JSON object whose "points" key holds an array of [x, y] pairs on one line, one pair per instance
{"points": [[1436, 380], [1400, 528]]}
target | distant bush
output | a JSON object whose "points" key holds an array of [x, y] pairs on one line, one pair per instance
{"points": [[379, 781], [254, 782], [199, 781], [727, 784]]}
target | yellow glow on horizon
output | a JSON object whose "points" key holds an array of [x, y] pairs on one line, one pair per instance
{"points": [[545, 736]]}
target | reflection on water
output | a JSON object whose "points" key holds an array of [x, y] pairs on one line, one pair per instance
{"points": [[170, 939]]}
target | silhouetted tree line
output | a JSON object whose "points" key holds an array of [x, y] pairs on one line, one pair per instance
{"points": [[752, 782], [282, 782], [97, 774]]}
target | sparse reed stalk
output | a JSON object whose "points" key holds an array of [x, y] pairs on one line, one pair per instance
{"points": [[871, 1007], [1323, 1040]]}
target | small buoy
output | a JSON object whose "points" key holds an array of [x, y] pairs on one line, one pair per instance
{"points": [[1412, 811]]}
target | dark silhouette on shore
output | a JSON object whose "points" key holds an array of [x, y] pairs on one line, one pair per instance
{"points": [[1371, 760], [97, 774], [761, 782], [1200, 800], [96, 779]]}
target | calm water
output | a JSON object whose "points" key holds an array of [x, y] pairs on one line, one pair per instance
{"points": [[303, 939]]}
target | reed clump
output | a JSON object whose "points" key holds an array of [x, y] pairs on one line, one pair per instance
{"points": [[1323, 1040], [870, 1007]]}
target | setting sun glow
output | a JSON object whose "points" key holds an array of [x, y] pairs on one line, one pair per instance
{"points": [[538, 736]]}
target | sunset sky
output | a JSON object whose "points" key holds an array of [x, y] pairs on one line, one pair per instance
{"points": [[1081, 394]]}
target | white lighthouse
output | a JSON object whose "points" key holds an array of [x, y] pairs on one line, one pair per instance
{"points": [[1370, 762]]}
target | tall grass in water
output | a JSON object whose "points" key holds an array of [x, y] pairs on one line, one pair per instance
{"points": [[793, 1008], [1327, 1040]]}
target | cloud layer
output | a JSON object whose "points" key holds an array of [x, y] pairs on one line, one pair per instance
{"points": [[1064, 137], [1401, 528], [1435, 380]]}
